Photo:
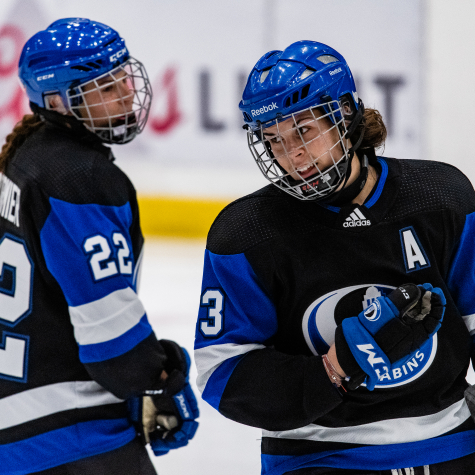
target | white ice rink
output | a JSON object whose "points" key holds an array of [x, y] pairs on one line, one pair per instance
{"points": [[170, 289]]}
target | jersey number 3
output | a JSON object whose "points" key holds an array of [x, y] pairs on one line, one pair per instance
{"points": [[212, 301], [15, 303]]}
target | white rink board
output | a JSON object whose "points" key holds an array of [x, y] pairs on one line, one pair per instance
{"points": [[198, 55]]}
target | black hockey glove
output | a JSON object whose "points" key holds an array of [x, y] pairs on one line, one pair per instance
{"points": [[391, 329], [165, 417]]}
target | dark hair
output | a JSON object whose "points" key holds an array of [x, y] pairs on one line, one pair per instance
{"points": [[22, 130], [375, 131]]}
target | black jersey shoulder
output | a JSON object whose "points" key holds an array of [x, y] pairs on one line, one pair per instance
{"points": [[428, 185], [71, 168], [248, 221]]}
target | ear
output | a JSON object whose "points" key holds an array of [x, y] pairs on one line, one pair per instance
{"points": [[55, 102]]}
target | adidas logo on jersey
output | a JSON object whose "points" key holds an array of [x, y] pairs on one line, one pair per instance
{"points": [[357, 218]]}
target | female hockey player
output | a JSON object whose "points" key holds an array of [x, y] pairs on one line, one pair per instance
{"points": [[76, 343], [308, 327]]}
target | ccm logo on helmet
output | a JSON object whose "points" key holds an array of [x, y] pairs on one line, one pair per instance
{"points": [[264, 109], [337, 70], [117, 55], [46, 76]]}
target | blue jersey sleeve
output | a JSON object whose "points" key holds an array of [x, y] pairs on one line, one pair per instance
{"points": [[461, 278], [89, 251], [239, 372], [235, 317]]}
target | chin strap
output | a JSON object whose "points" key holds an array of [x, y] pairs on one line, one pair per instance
{"points": [[348, 194]]}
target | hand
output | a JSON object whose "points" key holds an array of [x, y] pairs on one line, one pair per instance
{"points": [[165, 417], [175, 418], [391, 329]]}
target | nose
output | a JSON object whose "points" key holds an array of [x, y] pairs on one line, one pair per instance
{"points": [[126, 91], [295, 150]]}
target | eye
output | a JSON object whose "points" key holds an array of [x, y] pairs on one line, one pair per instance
{"points": [[303, 130], [276, 139]]}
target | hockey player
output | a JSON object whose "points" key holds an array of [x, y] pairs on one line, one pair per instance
{"points": [[308, 327], [76, 343]]}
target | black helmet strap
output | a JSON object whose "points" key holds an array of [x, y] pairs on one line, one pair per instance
{"points": [[348, 193]]}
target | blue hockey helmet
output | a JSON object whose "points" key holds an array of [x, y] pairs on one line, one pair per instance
{"points": [[306, 76], [74, 52]]}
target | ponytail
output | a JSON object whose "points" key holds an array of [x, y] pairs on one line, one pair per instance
{"points": [[22, 130], [375, 131]]}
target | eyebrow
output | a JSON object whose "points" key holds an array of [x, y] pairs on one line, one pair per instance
{"points": [[307, 117], [105, 80]]}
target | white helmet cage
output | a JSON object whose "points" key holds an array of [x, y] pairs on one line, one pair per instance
{"points": [[92, 104], [328, 176]]}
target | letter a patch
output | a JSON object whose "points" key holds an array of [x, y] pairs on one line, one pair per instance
{"points": [[415, 258]]}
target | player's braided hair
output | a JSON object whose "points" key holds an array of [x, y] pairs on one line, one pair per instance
{"points": [[22, 130]]}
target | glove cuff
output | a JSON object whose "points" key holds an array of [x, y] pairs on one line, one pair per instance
{"points": [[404, 298], [344, 355]]}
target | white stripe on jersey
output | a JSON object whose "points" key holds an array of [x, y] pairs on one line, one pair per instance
{"points": [[392, 431], [470, 323], [208, 359], [46, 400], [138, 271], [106, 318]]}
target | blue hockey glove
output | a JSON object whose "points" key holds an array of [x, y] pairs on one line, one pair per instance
{"points": [[391, 329], [165, 417], [176, 418]]}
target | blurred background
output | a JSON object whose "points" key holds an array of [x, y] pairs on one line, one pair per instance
{"points": [[413, 60]]}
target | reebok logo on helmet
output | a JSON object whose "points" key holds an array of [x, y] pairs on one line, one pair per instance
{"points": [[264, 109]]}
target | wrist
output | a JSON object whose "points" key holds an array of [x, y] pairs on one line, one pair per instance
{"points": [[333, 359], [337, 377]]}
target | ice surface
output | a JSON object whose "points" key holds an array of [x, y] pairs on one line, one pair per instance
{"points": [[170, 290]]}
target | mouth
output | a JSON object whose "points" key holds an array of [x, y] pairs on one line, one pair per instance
{"points": [[308, 170], [128, 119]]}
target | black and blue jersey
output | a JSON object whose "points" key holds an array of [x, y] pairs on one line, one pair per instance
{"points": [[75, 340], [275, 270]]}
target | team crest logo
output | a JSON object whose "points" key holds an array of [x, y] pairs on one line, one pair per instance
{"points": [[373, 312], [322, 317]]}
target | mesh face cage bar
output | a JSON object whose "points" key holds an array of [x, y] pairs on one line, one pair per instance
{"points": [[115, 106], [325, 129]]}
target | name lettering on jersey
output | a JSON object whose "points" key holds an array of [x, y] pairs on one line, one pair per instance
{"points": [[355, 219], [415, 258], [9, 200]]}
